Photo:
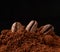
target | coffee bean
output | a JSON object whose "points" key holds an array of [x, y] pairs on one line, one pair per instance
{"points": [[46, 28], [32, 26], [16, 26]]}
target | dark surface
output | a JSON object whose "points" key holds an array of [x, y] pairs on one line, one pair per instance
{"points": [[25, 11]]}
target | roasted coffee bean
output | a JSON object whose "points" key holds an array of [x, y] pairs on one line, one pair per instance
{"points": [[46, 28], [32, 26], [16, 26]]}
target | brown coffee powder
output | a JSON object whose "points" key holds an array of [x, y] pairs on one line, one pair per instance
{"points": [[23, 41]]}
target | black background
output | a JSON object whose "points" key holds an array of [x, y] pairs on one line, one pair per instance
{"points": [[24, 11]]}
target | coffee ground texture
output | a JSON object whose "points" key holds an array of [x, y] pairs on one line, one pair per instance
{"points": [[23, 41]]}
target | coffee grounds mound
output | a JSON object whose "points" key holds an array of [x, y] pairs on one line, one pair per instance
{"points": [[23, 41]]}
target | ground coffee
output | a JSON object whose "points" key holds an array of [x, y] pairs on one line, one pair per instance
{"points": [[23, 41]]}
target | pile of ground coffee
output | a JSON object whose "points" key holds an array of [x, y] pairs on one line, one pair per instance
{"points": [[23, 41]]}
